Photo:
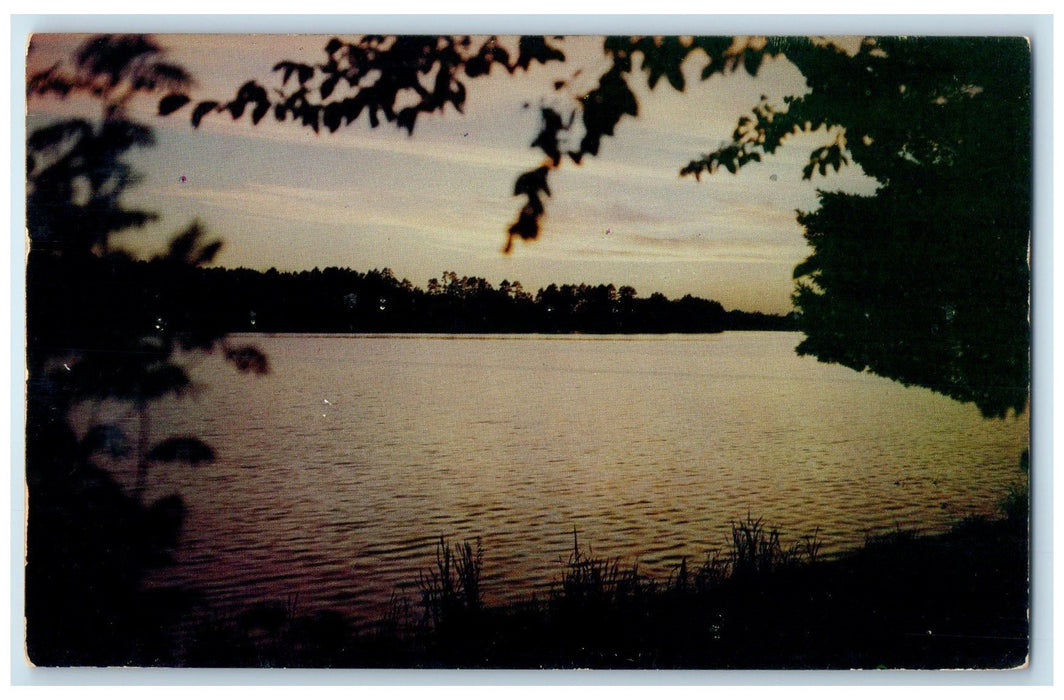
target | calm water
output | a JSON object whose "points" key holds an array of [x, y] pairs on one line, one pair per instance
{"points": [[338, 472]]}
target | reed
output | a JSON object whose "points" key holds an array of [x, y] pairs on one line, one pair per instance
{"points": [[757, 549], [450, 589], [753, 603], [591, 582]]}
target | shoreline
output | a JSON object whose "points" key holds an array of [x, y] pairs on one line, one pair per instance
{"points": [[902, 601]]}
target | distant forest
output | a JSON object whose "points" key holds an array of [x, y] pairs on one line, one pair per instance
{"points": [[340, 300]]}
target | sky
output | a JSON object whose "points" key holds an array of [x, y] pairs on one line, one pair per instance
{"points": [[442, 199]]}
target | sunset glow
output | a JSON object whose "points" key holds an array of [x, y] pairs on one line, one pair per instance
{"points": [[281, 196]]}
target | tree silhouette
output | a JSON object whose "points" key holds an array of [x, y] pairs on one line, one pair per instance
{"points": [[925, 282], [91, 337]]}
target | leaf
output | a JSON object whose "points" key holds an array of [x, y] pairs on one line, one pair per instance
{"points": [[201, 111], [675, 78], [49, 137], [352, 107], [547, 140], [207, 253], [236, 108], [532, 182], [172, 74], [328, 85], [182, 449], [287, 68], [248, 358], [252, 92], [406, 119], [259, 112], [171, 103], [458, 97], [311, 115], [183, 245], [477, 66], [655, 75], [526, 226], [107, 438], [499, 54], [752, 61], [332, 116], [536, 48], [160, 381]]}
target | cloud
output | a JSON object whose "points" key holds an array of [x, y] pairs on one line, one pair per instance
{"points": [[431, 220], [699, 244], [271, 201], [443, 198]]}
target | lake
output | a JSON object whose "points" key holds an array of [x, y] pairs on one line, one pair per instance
{"points": [[338, 472]]}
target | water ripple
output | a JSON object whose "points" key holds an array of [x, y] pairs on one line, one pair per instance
{"points": [[648, 447]]}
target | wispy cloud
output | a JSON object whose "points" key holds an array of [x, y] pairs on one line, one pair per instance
{"points": [[444, 198]]}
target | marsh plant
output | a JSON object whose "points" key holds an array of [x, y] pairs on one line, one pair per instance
{"points": [[450, 589], [757, 549]]}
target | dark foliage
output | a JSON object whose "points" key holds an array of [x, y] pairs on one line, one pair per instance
{"points": [[926, 282], [93, 336]]}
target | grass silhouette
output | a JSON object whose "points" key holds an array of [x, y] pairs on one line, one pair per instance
{"points": [[955, 600]]}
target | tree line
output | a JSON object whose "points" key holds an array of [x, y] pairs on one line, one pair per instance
{"points": [[341, 300]]}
